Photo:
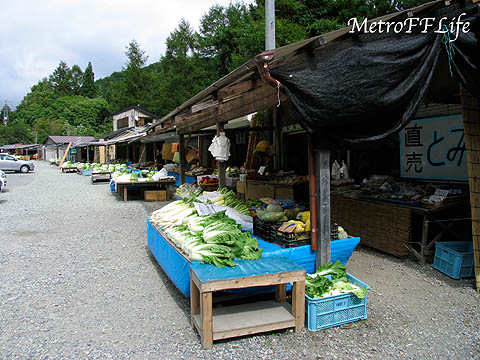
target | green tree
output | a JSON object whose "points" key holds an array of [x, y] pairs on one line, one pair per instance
{"points": [[88, 83], [135, 86], [61, 79], [77, 80], [44, 128], [15, 133]]}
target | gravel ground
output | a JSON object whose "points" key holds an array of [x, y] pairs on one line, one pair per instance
{"points": [[76, 281]]}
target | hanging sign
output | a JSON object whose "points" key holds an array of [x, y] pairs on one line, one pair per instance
{"points": [[434, 148]]}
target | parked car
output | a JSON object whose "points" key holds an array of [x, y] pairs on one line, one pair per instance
{"points": [[10, 163], [3, 181]]}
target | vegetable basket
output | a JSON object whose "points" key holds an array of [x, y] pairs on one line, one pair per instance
{"points": [[335, 310]]}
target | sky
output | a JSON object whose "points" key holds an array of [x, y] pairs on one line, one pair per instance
{"points": [[36, 35]]}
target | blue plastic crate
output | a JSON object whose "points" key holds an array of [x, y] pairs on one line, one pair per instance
{"points": [[336, 310], [454, 258]]}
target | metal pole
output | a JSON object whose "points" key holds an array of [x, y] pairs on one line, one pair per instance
{"points": [[269, 24]]}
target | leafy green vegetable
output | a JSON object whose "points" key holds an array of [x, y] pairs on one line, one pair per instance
{"points": [[336, 270], [330, 280]]}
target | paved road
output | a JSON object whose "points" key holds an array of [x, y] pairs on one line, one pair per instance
{"points": [[76, 281]]}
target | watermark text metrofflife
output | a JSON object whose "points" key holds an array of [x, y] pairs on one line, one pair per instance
{"points": [[455, 25]]}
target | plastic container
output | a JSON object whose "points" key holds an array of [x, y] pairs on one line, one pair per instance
{"points": [[454, 258], [264, 230], [336, 310]]}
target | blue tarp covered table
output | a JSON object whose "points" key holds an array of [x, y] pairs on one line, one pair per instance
{"points": [[177, 267]]}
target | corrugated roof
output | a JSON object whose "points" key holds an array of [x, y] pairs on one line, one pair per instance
{"points": [[67, 139], [17, 146]]}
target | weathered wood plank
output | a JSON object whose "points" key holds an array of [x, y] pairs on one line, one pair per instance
{"points": [[255, 100]]}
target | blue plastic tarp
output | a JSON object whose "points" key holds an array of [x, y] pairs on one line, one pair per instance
{"points": [[177, 267], [188, 179], [263, 266]]}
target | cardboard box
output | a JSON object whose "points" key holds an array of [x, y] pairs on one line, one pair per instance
{"points": [[155, 195]]}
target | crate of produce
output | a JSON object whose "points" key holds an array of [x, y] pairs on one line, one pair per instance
{"points": [[336, 310], [264, 230], [454, 258]]}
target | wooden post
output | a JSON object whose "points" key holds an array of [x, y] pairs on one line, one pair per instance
{"points": [[88, 154], [155, 153], [322, 160], [107, 153], [222, 165], [471, 125], [134, 153], [181, 140]]}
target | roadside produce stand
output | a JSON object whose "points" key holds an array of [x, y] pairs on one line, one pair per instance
{"points": [[177, 266]]}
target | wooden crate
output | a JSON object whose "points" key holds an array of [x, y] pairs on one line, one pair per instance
{"points": [[155, 195]]}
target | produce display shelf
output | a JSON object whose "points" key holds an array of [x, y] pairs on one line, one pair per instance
{"points": [[176, 266]]}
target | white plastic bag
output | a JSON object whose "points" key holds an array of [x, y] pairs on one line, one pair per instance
{"points": [[159, 175]]}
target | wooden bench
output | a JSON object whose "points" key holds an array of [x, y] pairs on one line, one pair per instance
{"points": [[245, 319]]}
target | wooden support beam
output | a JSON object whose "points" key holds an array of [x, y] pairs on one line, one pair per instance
{"points": [[88, 154], [229, 93], [322, 165], [257, 99], [222, 165], [64, 155], [471, 125], [181, 140]]}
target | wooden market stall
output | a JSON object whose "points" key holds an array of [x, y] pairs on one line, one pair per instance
{"points": [[323, 63]]}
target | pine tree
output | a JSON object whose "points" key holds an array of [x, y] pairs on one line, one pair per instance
{"points": [[88, 85]]}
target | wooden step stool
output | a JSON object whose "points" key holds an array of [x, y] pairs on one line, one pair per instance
{"points": [[246, 319]]}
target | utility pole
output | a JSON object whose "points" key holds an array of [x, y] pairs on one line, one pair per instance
{"points": [[269, 25], [5, 113]]}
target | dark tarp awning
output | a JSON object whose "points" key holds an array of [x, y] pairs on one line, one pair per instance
{"points": [[369, 86]]}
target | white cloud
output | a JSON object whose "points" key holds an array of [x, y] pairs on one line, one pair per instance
{"points": [[37, 35]]}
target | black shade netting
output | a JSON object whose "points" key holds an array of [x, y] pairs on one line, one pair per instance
{"points": [[369, 86]]}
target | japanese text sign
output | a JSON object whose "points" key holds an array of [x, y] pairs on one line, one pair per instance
{"points": [[434, 148]]}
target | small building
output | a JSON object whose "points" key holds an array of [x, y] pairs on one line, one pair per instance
{"points": [[55, 146], [133, 116]]}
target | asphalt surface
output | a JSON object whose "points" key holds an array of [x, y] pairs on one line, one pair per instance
{"points": [[76, 281]]}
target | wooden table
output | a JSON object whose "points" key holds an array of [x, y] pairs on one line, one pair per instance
{"points": [[69, 169], [122, 187], [251, 318], [100, 176], [396, 229]]}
